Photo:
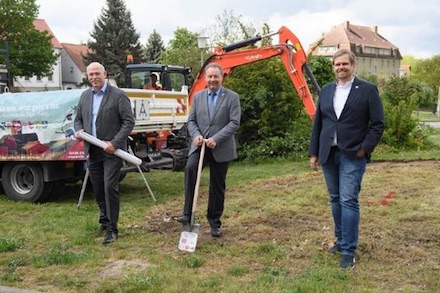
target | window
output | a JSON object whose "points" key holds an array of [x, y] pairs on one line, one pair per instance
{"points": [[177, 81], [327, 49]]}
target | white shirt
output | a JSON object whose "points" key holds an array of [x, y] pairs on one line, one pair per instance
{"points": [[341, 95]]}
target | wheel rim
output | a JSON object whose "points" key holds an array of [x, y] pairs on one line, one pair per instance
{"points": [[22, 179]]}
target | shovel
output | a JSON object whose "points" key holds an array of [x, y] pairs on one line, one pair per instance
{"points": [[190, 233]]}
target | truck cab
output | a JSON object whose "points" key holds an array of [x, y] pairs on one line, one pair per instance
{"points": [[170, 78]]}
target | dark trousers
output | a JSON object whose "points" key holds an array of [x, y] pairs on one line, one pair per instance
{"points": [[105, 170], [217, 186]]}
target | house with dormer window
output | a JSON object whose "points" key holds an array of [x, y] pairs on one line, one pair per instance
{"points": [[375, 55]]}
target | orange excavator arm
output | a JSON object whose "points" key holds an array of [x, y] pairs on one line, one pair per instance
{"points": [[289, 49]]}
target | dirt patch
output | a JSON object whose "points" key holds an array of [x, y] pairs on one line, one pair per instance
{"points": [[119, 268], [395, 164], [288, 218]]}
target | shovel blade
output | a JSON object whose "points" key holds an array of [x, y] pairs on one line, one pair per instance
{"points": [[188, 238]]}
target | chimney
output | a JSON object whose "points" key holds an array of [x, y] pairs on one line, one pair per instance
{"points": [[347, 24], [374, 29]]}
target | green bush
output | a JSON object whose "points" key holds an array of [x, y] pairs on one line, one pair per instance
{"points": [[402, 131], [293, 144]]}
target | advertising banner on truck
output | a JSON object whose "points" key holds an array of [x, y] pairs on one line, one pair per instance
{"points": [[39, 126]]}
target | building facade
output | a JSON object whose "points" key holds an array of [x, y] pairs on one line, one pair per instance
{"points": [[73, 67], [375, 55]]}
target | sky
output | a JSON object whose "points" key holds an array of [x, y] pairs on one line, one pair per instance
{"points": [[411, 25]]}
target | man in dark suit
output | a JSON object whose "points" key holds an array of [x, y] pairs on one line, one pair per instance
{"points": [[349, 123], [105, 112], [214, 118]]}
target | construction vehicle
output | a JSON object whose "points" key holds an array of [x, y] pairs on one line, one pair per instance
{"points": [[288, 48], [38, 152]]}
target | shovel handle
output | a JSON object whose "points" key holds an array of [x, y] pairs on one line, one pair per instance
{"points": [[199, 174]]}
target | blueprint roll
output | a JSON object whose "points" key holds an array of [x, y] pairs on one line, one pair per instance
{"points": [[120, 153]]}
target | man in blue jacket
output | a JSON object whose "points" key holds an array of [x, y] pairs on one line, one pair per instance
{"points": [[214, 118], [349, 123]]}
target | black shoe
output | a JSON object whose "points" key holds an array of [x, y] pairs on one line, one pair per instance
{"points": [[216, 232], [182, 219], [347, 262], [109, 237], [334, 249]]}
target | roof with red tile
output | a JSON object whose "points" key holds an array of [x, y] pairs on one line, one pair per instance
{"points": [[41, 25], [76, 52], [347, 33], [405, 67]]}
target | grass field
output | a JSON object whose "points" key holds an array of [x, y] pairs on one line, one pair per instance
{"points": [[277, 227], [426, 116]]}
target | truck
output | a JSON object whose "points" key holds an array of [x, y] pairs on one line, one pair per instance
{"points": [[38, 150]]}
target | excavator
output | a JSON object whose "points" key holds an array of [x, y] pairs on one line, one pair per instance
{"points": [[288, 48]]}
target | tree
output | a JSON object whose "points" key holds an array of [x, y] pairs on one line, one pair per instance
{"points": [[229, 28], [322, 69], [182, 50], [154, 48], [428, 71], [31, 54], [400, 97], [30, 51], [113, 38]]}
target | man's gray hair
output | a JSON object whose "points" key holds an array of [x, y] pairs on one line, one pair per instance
{"points": [[95, 64], [215, 65]]}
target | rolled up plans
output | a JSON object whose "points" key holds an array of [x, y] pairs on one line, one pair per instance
{"points": [[120, 153]]}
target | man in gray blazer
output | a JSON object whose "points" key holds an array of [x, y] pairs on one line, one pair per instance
{"points": [[349, 123], [105, 112], [214, 118]]}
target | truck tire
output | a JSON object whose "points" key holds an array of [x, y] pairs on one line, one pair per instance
{"points": [[178, 156], [24, 181]]}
